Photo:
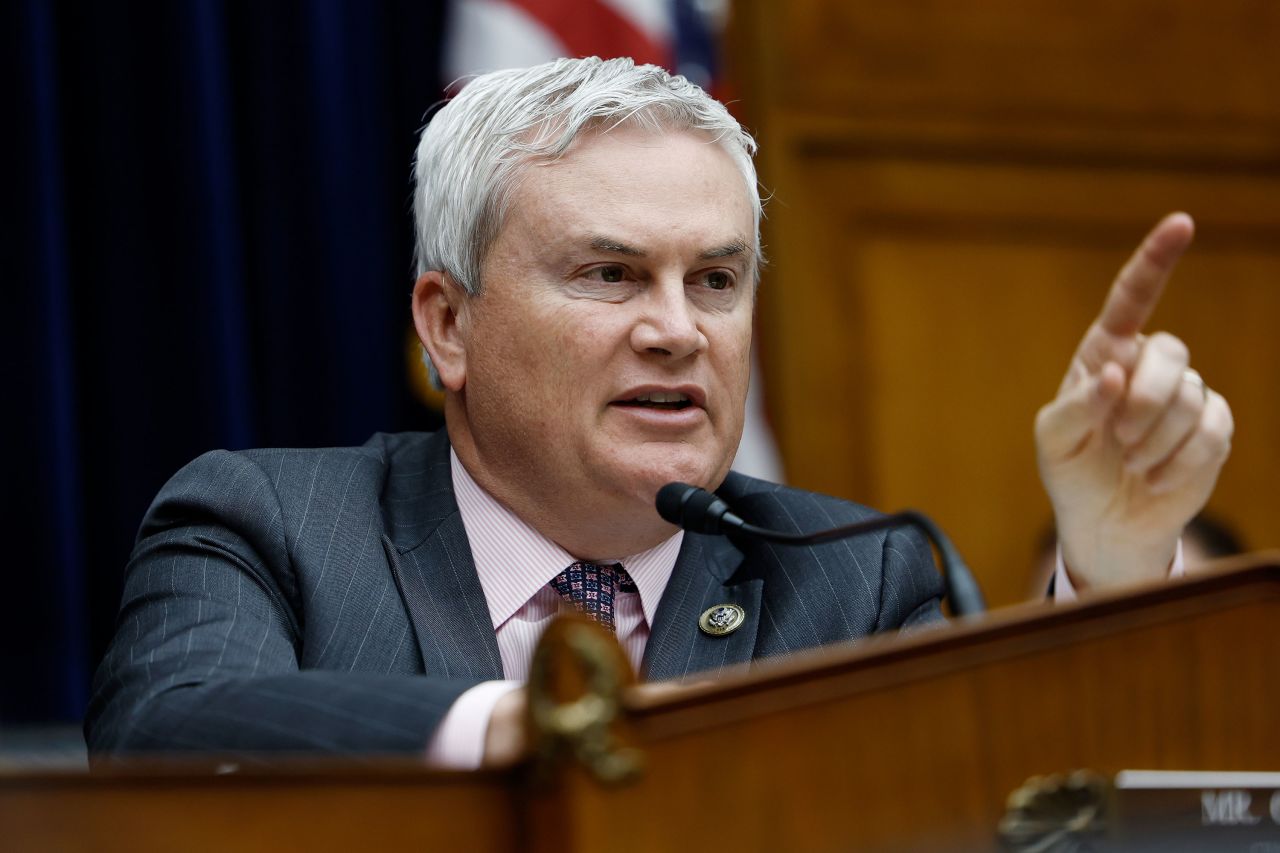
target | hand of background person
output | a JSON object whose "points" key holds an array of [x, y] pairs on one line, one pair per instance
{"points": [[1131, 447]]}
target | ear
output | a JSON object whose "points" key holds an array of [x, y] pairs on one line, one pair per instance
{"points": [[439, 306]]}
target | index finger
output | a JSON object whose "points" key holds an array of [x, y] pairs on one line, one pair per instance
{"points": [[1137, 288]]}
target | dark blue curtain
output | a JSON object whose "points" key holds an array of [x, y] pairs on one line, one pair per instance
{"points": [[207, 237]]}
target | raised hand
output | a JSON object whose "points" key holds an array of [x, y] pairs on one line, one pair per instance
{"points": [[1131, 447]]}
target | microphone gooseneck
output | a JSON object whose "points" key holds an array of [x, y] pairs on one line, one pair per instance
{"points": [[700, 511]]}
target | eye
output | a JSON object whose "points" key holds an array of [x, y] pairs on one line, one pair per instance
{"points": [[609, 275], [718, 280]]}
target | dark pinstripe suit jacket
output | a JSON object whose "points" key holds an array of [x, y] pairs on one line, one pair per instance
{"points": [[326, 600]]}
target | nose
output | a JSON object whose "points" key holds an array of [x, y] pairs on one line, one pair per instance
{"points": [[668, 323]]}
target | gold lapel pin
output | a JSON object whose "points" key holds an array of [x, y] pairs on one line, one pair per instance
{"points": [[722, 619]]}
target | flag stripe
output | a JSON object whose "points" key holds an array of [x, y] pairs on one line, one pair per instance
{"points": [[585, 26]]}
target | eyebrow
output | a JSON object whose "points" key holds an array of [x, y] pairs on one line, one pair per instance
{"points": [[728, 250], [608, 244], [731, 249]]}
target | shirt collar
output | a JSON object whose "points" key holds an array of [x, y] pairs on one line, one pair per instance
{"points": [[515, 562]]}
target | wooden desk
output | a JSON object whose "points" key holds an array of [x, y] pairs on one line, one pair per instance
{"points": [[897, 743]]}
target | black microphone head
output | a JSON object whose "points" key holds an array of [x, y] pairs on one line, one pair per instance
{"points": [[670, 501], [690, 507]]}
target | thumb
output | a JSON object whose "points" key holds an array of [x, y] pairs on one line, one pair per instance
{"points": [[1066, 423]]}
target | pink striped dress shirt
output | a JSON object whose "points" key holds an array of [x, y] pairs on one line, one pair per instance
{"points": [[515, 563]]}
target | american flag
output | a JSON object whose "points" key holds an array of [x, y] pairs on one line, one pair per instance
{"points": [[680, 35]]}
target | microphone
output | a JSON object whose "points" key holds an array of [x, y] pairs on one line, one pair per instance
{"points": [[700, 511]]}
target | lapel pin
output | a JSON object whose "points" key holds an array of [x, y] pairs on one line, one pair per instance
{"points": [[722, 619]]}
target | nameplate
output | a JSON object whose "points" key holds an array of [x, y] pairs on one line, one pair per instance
{"points": [[1197, 810]]}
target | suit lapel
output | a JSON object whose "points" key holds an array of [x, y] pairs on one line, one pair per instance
{"points": [[426, 545], [704, 576]]}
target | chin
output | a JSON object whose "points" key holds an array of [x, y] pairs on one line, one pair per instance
{"points": [[652, 473]]}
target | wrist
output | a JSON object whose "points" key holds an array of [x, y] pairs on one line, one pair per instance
{"points": [[1098, 562]]}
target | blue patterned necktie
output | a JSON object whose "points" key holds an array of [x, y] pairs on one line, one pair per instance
{"points": [[590, 587]]}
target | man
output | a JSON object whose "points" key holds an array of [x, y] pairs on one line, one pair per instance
{"points": [[588, 256]]}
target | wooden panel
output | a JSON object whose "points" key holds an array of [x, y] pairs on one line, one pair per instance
{"points": [[366, 805], [1135, 61], [954, 186]]}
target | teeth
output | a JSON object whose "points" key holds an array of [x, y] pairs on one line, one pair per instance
{"points": [[662, 397]]}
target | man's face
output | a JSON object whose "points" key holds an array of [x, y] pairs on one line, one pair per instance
{"points": [[608, 352]]}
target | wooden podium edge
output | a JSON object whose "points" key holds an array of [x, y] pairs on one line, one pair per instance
{"points": [[829, 672]]}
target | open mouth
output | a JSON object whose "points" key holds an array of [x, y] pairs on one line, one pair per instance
{"points": [[658, 400]]}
